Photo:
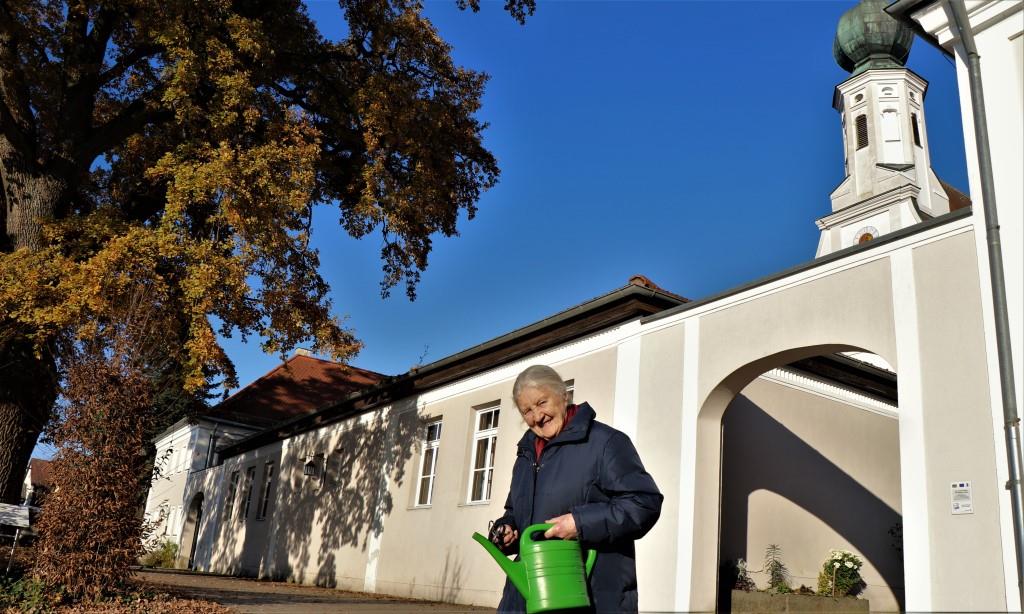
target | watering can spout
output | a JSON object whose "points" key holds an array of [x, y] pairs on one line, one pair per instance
{"points": [[514, 570]]}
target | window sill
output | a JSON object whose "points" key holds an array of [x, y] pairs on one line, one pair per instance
{"points": [[413, 508], [474, 503]]}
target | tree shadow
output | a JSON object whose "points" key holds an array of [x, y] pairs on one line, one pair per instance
{"points": [[760, 453], [449, 581], [325, 522], [326, 576]]}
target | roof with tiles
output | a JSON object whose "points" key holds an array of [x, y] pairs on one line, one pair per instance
{"points": [[957, 199], [300, 385], [39, 472]]}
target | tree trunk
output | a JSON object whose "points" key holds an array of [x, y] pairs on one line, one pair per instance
{"points": [[28, 388], [28, 383], [30, 198]]}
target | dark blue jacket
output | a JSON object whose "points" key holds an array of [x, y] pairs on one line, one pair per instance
{"points": [[594, 472]]}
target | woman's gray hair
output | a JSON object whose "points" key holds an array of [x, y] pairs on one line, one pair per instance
{"points": [[538, 376]]}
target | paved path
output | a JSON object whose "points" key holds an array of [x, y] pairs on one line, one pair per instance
{"points": [[258, 597]]}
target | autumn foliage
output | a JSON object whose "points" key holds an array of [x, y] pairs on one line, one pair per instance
{"points": [[190, 144], [90, 528]]}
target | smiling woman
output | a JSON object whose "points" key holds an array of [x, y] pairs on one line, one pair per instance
{"points": [[583, 477]]}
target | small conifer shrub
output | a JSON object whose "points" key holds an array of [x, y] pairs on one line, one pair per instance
{"points": [[778, 575]]}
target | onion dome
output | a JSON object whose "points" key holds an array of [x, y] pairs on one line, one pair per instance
{"points": [[867, 37]]}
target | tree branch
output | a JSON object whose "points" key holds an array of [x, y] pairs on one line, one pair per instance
{"points": [[136, 55], [16, 119], [132, 119], [84, 50]]}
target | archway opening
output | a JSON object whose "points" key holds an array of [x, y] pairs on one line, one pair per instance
{"points": [[810, 463], [190, 533]]}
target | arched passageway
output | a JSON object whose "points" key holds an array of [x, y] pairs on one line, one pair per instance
{"points": [[810, 462], [190, 533]]}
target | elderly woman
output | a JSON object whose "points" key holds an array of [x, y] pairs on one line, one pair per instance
{"points": [[586, 479]]}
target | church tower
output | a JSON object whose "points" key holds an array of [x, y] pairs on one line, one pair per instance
{"points": [[889, 181]]}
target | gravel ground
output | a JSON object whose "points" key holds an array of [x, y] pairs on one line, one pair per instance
{"points": [[260, 597]]}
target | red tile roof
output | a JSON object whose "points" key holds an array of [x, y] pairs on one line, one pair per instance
{"points": [[39, 470], [957, 199], [644, 281], [300, 385]]}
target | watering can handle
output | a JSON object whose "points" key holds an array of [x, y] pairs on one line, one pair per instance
{"points": [[534, 528]]}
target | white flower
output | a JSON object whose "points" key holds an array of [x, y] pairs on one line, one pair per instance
{"points": [[836, 565], [836, 555], [848, 564]]}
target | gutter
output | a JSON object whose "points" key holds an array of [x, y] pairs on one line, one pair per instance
{"points": [[961, 25]]}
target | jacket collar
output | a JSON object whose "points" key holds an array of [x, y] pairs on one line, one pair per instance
{"points": [[577, 429]]}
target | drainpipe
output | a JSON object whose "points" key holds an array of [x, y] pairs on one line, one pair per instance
{"points": [[1011, 421]]}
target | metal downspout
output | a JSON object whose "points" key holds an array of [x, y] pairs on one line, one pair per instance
{"points": [[1011, 421]]}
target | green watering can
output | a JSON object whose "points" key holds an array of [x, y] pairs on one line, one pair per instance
{"points": [[549, 574]]}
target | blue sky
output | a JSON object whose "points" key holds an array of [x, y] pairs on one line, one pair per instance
{"points": [[692, 142]]}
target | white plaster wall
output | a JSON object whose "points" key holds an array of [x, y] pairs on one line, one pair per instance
{"points": [[997, 26], [168, 486]]}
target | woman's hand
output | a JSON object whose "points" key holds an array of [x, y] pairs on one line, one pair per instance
{"points": [[565, 527], [504, 536]]}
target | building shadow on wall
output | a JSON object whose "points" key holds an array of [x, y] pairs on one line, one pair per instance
{"points": [[759, 453], [358, 465]]}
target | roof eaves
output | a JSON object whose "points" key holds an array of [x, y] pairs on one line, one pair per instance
{"points": [[562, 316], [317, 418], [901, 11]]}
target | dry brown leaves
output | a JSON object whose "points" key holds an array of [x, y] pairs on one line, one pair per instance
{"points": [[143, 606]]}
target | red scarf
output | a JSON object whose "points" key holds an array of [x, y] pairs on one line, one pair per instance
{"points": [[539, 443]]}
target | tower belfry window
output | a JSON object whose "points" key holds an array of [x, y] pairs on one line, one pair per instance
{"points": [[892, 139], [916, 129], [862, 131]]}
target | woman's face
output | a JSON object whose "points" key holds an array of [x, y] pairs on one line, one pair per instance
{"points": [[542, 409]]}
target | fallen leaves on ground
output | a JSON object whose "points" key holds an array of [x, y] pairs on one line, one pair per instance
{"points": [[142, 606]]}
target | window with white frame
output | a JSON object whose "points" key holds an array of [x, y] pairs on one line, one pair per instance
{"points": [[173, 520], [485, 438], [211, 451], [428, 463], [231, 495], [268, 483], [570, 387], [250, 477]]}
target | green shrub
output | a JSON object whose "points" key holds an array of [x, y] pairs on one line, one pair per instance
{"points": [[27, 594], [163, 555], [840, 574]]}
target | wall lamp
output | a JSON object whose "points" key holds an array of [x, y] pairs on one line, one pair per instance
{"points": [[312, 466]]}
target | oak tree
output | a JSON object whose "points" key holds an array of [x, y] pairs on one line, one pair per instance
{"points": [[180, 147]]}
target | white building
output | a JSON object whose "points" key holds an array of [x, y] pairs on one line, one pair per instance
{"points": [[298, 386]]}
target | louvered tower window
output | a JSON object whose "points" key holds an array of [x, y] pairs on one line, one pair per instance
{"points": [[917, 130], [862, 131]]}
